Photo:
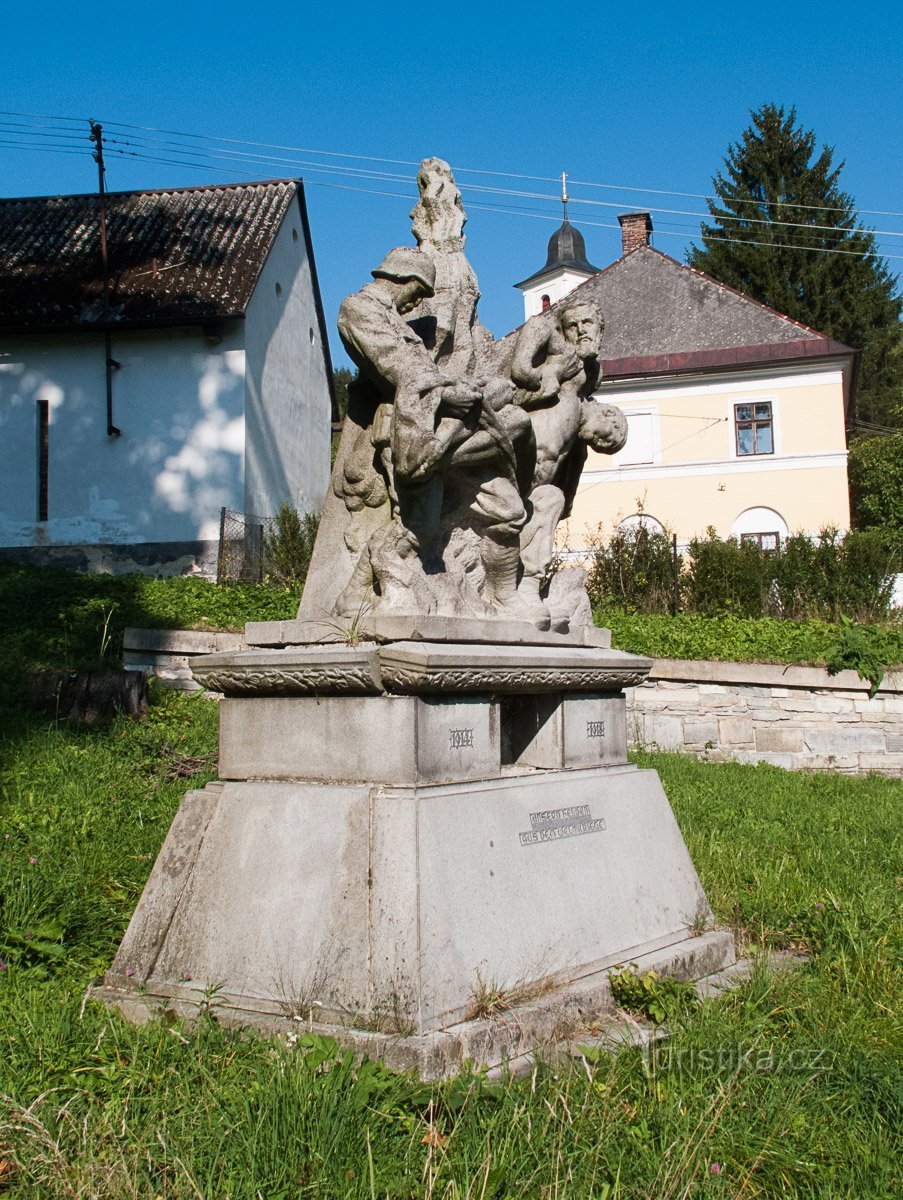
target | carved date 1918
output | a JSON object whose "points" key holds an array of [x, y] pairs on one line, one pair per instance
{"points": [[595, 729], [459, 738]]}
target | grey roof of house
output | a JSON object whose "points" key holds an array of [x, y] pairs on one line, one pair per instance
{"points": [[661, 316], [183, 255], [567, 249]]}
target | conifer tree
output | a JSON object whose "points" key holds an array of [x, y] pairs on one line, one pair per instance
{"points": [[780, 219]]}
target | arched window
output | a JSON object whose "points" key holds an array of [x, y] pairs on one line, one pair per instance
{"points": [[764, 527], [640, 521], [545, 302]]}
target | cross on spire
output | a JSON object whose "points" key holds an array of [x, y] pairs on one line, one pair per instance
{"points": [[564, 193]]}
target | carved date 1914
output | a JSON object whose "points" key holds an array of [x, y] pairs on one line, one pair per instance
{"points": [[459, 738]]}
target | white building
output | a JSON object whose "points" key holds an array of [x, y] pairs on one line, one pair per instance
{"points": [[200, 381]]}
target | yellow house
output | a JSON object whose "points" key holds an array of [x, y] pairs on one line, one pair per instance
{"points": [[736, 413]]}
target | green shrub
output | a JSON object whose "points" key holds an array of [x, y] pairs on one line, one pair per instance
{"points": [[836, 575], [660, 998], [825, 578], [634, 569], [856, 650], [728, 577], [288, 544], [875, 468]]}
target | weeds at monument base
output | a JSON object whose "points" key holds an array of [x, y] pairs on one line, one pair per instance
{"points": [[651, 995]]}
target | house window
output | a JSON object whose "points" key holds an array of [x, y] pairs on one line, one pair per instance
{"points": [[642, 439], [754, 428], [768, 543], [43, 456]]}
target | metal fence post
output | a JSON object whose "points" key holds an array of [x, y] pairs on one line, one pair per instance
{"points": [[220, 554]]}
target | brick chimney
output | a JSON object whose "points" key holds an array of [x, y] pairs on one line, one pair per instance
{"points": [[635, 230]]}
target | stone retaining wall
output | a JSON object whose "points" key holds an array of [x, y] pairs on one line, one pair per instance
{"points": [[793, 717], [167, 653]]}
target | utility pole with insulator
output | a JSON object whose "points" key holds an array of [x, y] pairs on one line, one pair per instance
{"points": [[111, 364]]}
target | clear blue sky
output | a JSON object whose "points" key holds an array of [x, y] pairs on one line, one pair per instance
{"points": [[646, 95]]}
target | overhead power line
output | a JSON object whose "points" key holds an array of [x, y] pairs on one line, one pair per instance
{"points": [[212, 158], [213, 138]]}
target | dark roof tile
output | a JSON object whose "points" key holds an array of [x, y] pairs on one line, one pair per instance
{"points": [[655, 306], [185, 254]]}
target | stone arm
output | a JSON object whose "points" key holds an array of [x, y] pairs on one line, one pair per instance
{"points": [[568, 475], [431, 410], [538, 365], [383, 346]]}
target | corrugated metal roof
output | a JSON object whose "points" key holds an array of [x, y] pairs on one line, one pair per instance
{"points": [[185, 254]]}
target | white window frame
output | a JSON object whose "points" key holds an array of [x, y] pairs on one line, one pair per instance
{"points": [[750, 401], [647, 410]]}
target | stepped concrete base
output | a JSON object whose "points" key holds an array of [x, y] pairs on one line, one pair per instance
{"points": [[382, 627], [513, 1036], [408, 837], [405, 906]]}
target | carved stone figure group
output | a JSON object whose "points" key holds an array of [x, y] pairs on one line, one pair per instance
{"points": [[459, 455]]}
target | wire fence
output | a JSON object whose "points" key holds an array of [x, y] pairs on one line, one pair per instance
{"points": [[241, 546]]}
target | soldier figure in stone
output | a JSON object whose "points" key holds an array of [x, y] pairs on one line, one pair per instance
{"points": [[439, 442], [459, 455]]}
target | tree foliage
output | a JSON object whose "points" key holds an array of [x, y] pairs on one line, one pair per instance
{"points": [[876, 482], [341, 378], [785, 233]]}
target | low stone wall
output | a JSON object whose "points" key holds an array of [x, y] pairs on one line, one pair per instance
{"points": [[167, 653], [158, 559], [793, 717]]}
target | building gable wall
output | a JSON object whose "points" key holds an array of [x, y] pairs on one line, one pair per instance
{"points": [[287, 381]]}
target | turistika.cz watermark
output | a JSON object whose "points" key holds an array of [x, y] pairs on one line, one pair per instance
{"points": [[735, 1059]]}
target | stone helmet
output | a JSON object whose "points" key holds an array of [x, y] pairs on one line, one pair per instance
{"points": [[404, 263]]}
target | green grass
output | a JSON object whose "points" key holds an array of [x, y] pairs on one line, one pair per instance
{"points": [[741, 639], [55, 618], [58, 618], [791, 1085]]}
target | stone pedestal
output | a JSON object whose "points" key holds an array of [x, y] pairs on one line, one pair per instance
{"points": [[402, 830]]}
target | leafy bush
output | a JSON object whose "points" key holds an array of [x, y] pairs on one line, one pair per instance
{"points": [[740, 639], [727, 576], [835, 575], [660, 998], [875, 469], [288, 544], [832, 575], [635, 568], [855, 650]]}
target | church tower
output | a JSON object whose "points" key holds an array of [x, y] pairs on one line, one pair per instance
{"points": [[566, 266]]}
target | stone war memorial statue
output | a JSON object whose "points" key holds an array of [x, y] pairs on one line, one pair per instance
{"points": [[424, 781]]}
